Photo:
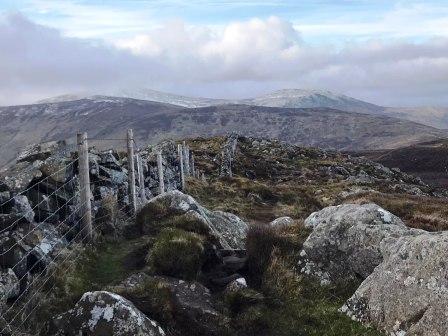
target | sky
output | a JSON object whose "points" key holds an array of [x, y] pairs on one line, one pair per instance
{"points": [[392, 53]]}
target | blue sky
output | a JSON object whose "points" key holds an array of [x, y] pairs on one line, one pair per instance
{"points": [[387, 52], [320, 21]]}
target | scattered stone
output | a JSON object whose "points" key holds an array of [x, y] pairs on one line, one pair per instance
{"points": [[282, 222]]}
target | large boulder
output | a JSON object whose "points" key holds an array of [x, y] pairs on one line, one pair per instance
{"points": [[407, 294], [174, 208], [104, 313], [185, 305], [345, 241], [40, 151]]}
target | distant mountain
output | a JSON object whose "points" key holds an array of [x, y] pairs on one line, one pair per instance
{"points": [[109, 117], [293, 98]]}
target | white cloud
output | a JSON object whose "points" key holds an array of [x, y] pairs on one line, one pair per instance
{"points": [[240, 59]]}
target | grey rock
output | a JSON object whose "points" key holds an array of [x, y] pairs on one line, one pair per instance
{"points": [[407, 294], [104, 313], [9, 286], [282, 222], [345, 241], [236, 285], [191, 303], [229, 229], [40, 151]]}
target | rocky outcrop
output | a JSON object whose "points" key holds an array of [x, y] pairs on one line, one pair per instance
{"points": [[345, 241], [187, 305], [407, 294], [227, 228], [104, 313]]}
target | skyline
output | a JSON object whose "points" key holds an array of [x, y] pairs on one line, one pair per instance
{"points": [[386, 52]]}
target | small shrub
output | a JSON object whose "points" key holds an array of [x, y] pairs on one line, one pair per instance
{"points": [[106, 217], [261, 241], [188, 222], [177, 253], [239, 300], [150, 214], [280, 279]]}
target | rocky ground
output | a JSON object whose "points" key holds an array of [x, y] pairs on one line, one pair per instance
{"points": [[274, 240]]}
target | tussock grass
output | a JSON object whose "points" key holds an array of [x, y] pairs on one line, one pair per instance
{"points": [[177, 253]]}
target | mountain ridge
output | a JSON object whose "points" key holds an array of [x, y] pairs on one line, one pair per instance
{"points": [[109, 117], [294, 98]]}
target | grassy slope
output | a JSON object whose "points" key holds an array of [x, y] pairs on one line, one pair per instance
{"points": [[268, 182]]}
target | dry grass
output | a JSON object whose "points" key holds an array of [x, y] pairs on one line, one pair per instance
{"points": [[427, 213]]}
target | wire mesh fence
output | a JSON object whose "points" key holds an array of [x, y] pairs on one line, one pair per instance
{"points": [[42, 225]]}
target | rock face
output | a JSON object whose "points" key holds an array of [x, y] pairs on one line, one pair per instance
{"points": [[229, 229], [103, 313], [407, 294], [345, 241]]}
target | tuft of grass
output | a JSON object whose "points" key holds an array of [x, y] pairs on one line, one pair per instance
{"points": [[177, 253]]}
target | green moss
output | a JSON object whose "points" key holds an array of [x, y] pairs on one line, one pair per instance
{"points": [[177, 253]]}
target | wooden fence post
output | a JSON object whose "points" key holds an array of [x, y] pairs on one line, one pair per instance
{"points": [[181, 166], [186, 159], [131, 172], [84, 183], [193, 172], [141, 180], [160, 172]]}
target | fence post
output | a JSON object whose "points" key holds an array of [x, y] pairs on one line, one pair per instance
{"points": [[131, 172], [141, 180], [181, 166], [186, 159], [84, 183], [160, 173], [193, 172]]}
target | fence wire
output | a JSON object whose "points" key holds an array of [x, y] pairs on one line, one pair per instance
{"points": [[66, 215]]}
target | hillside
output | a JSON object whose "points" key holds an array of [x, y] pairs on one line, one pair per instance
{"points": [[290, 98], [152, 121], [428, 160], [220, 258]]}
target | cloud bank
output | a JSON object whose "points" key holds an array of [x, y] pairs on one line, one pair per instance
{"points": [[240, 59]]}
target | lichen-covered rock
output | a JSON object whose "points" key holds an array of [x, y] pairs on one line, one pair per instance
{"points": [[189, 304], [104, 313], [9, 286], [407, 294], [345, 241], [282, 222], [229, 229]]}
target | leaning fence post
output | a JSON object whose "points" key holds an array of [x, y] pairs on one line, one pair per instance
{"points": [[160, 172], [141, 180], [131, 171], [84, 183], [181, 166]]}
